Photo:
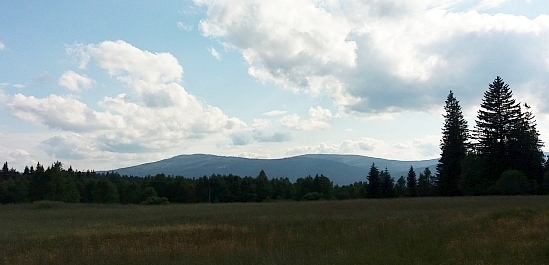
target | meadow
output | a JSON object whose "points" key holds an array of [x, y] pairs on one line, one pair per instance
{"points": [[460, 230]]}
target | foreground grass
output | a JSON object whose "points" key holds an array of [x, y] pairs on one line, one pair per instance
{"points": [[466, 230]]}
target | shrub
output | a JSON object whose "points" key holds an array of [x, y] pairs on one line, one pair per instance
{"points": [[312, 196], [155, 200], [512, 182]]}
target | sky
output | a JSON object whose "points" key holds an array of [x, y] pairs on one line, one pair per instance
{"points": [[109, 84]]}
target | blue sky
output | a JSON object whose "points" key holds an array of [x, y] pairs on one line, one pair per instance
{"points": [[118, 83]]}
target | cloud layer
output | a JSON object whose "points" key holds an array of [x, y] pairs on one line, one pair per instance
{"points": [[155, 113], [382, 56]]}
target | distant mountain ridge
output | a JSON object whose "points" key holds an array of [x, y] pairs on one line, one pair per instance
{"points": [[341, 169]]}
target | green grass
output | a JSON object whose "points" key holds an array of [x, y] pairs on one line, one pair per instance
{"points": [[466, 230]]}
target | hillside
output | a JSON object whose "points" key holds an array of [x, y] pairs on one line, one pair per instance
{"points": [[341, 169]]}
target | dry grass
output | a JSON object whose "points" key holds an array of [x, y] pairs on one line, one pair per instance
{"points": [[475, 230]]}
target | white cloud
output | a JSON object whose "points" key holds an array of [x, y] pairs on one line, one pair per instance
{"points": [[214, 53], [381, 56], [17, 158], [62, 112], [69, 146], [413, 149], [426, 147], [2, 46], [261, 123], [489, 4], [274, 113], [287, 42], [346, 147], [3, 96], [19, 86], [246, 137], [159, 114], [254, 155], [130, 64], [183, 26], [73, 81], [319, 120]]}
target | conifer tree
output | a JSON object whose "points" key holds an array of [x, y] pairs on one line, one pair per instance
{"points": [[507, 138], [411, 182], [525, 148], [423, 183], [374, 182], [454, 145], [400, 187], [387, 184]]}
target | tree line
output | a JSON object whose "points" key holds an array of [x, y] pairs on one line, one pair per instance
{"points": [[55, 183], [501, 155]]}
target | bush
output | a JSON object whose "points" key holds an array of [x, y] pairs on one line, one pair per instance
{"points": [[155, 200], [312, 196], [512, 182]]}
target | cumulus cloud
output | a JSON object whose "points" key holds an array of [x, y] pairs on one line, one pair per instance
{"points": [[214, 53], [156, 113], [345, 147], [68, 146], [319, 120], [274, 113], [62, 112], [381, 56], [425, 147], [2, 46], [21, 158], [489, 4], [246, 137], [414, 149], [74, 82]]}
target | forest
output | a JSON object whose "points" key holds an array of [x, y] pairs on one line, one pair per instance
{"points": [[501, 155]]}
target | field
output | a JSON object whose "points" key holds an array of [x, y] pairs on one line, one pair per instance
{"points": [[466, 230]]}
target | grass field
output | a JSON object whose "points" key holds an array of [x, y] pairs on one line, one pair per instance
{"points": [[466, 230]]}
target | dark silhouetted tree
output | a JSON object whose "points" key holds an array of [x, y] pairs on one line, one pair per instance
{"points": [[374, 182], [263, 186], [525, 149], [411, 182], [400, 188], [507, 138], [454, 147], [424, 187], [387, 184], [496, 122]]}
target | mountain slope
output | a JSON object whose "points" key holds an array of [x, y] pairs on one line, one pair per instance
{"points": [[341, 169]]}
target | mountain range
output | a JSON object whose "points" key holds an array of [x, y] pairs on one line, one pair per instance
{"points": [[341, 169]]}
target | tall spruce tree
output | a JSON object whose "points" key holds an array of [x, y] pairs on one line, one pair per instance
{"points": [[454, 147], [507, 138], [525, 148], [374, 182], [411, 182], [387, 184]]}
